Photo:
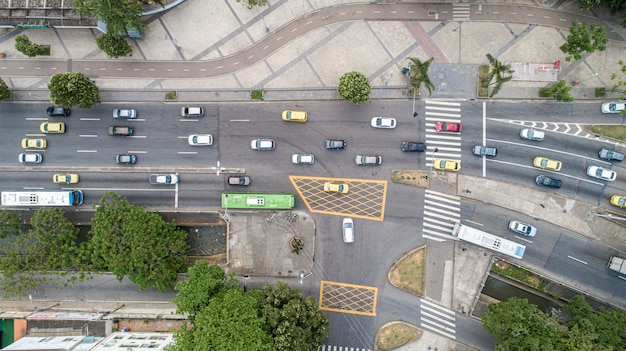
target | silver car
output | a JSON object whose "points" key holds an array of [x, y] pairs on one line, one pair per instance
{"points": [[298, 159], [129, 113], [348, 230], [522, 228], [30, 158]]}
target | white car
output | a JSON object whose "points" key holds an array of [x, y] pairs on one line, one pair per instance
{"points": [[348, 230], [297, 159], [532, 134], [30, 158], [522, 228], [263, 144], [601, 173], [383, 122], [200, 139], [613, 107]]}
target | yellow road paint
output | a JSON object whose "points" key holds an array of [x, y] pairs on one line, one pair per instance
{"points": [[348, 298]]}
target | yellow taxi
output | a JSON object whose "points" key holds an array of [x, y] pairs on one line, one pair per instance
{"points": [[294, 116], [52, 127], [341, 188], [619, 201], [69, 178], [37, 143], [447, 165], [546, 163]]}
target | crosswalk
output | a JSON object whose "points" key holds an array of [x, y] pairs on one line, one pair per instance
{"points": [[441, 145], [441, 212], [438, 319], [461, 12], [341, 348]]}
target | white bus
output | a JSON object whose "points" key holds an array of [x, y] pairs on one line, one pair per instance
{"points": [[488, 241], [39, 198]]}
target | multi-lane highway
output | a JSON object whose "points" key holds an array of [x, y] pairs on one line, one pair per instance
{"points": [[160, 142]]}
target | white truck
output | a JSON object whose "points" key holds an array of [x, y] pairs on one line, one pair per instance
{"points": [[617, 264], [163, 179]]}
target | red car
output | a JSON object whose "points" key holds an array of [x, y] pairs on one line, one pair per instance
{"points": [[448, 127]]}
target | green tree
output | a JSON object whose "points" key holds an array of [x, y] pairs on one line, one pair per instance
{"points": [[250, 4], [113, 45], [501, 72], [296, 323], [619, 85], [560, 91], [5, 92], [71, 89], [27, 47], [10, 224], [45, 251], [615, 6], [119, 15], [130, 241], [606, 327], [583, 38], [355, 87], [419, 74], [230, 322], [518, 325], [202, 283]]}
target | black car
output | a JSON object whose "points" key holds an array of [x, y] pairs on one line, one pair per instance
{"points": [[335, 144], [56, 111], [409, 146], [547, 181], [126, 159]]}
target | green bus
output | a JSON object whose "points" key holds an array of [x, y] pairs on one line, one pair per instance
{"points": [[262, 201]]}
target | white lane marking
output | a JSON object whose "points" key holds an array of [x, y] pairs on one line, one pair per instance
{"points": [[484, 137], [88, 135], [89, 119], [36, 118], [576, 259], [137, 152], [138, 136], [470, 221], [187, 152], [545, 170], [32, 188], [240, 120], [93, 151]]}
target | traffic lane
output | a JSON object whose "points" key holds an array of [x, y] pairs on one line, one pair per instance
{"points": [[583, 263], [544, 111]]}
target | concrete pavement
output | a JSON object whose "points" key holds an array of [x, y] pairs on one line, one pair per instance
{"points": [[308, 67]]}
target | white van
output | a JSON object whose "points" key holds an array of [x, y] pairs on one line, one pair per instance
{"points": [[187, 111]]}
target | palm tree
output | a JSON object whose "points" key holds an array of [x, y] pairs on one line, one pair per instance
{"points": [[419, 74], [498, 70]]}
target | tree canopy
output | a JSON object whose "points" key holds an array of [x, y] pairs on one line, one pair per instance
{"points": [[615, 6], [129, 241], [250, 4], [71, 89], [355, 87], [296, 323], [119, 15], [5, 92], [501, 72], [34, 256], [113, 45], [583, 38], [560, 91], [27, 47], [419, 74], [619, 85], [519, 325]]}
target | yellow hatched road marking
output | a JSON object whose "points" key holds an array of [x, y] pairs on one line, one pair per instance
{"points": [[348, 298], [365, 199]]}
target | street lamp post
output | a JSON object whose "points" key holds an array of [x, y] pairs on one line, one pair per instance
{"points": [[432, 161], [303, 276], [576, 82]]}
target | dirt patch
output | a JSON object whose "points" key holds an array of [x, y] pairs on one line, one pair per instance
{"points": [[408, 273], [410, 177]]}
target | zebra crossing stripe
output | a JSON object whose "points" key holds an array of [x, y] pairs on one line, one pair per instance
{"points": [[437, 233], [442, 143], [341, 348], [440, 205], [442, 103], [445, 117], [432, 192]]}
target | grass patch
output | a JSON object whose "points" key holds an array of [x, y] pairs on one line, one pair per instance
{"points": [[600, 92], [615, 132], [519, 274], [563, 48], [395, 335], [408, 273], [483, 86], [45, 50], [256, 95], [170, 96], [544, 93]]}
